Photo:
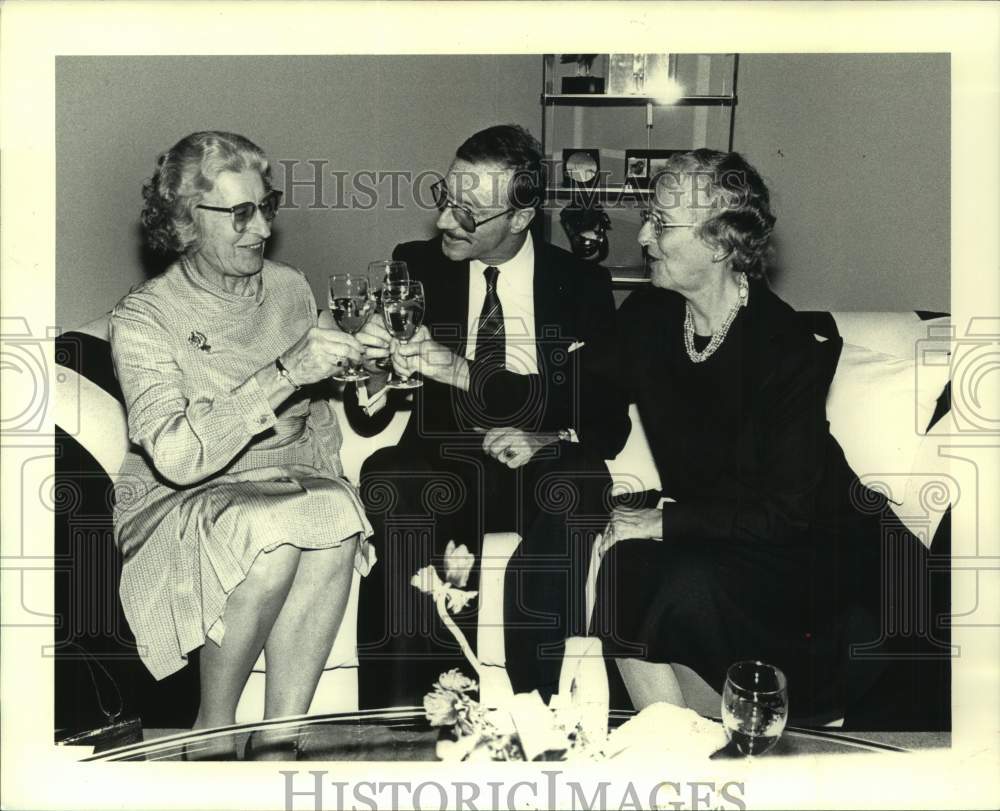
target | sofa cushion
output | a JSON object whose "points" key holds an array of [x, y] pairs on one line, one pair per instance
{"points": [[891, 383], [877, 414]]}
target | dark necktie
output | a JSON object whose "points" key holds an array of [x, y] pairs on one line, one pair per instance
{"points": [[491, 340]]}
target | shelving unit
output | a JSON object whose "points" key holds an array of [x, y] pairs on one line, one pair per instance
{"points": [[698, 110]]}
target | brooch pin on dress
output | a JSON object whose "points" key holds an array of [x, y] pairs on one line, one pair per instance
{"points": [[198, 341]]}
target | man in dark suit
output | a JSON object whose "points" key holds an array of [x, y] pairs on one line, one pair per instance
{"points": [[519, 407]]}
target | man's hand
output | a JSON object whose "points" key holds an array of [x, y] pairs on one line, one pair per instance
{"points": [[432, 360], [375, 341], [514, 447], [630, 523]]}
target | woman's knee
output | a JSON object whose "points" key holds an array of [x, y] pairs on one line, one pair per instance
{"points": [[332, 564], [271, 574]]}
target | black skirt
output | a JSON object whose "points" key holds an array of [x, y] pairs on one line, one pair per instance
{"points": [[707, 605]]}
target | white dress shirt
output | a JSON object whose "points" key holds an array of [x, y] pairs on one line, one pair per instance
{"points": [[515, 288]]}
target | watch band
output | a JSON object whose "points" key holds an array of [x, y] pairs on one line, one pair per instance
{"points": [[285, 374]]}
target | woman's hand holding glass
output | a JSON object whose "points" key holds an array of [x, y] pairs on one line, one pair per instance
{"points": [[319, 354]]}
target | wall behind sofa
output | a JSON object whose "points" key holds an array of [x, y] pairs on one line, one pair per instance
{"points": [[114, 115], [855, 146]]}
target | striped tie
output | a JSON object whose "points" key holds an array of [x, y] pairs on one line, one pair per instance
{"points": [[491, 340]]}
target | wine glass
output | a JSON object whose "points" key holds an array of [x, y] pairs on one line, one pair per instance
{"points": [[754, 706], [352, 304], [403, 313], [385, 271], [381, 273]]}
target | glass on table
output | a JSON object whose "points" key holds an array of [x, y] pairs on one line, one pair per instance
{"points": [[403, 312], [754, 706], [352, 304]]}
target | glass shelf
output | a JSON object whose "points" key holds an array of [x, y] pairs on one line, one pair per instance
{"points": [[607, 99]]}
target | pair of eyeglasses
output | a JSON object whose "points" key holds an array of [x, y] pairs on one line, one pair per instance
{"points": [[243, 213], [462, 215], [650, 216]]}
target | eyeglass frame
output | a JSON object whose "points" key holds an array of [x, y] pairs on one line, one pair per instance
{"points": [[442, 199], [649, 215], [273, 194]]}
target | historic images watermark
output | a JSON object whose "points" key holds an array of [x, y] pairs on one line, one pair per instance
{"points": [[314, 184], [311, 791]]}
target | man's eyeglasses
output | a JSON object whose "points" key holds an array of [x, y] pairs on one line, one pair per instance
{"points": [[462, 215], [650, 216], [243, 213]]}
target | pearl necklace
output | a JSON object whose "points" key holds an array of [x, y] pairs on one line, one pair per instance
{"points": [[720, 335]]}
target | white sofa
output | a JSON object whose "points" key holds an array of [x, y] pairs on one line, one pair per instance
{"points": [[891, 376]]}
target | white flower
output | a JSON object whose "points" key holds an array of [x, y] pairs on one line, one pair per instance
{"points": [[458, 599], [456, 680], [440, 708], [457, 564], [427, 580]]}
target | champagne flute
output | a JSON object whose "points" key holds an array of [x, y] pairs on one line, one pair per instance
{"points": [[381, 273], [403, 313], [352, 304], [754, 706]]}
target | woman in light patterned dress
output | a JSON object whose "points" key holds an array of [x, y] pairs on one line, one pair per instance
{"points": [[238, 531]]}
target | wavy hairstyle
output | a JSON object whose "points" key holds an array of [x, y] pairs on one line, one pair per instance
{"points": [[184, 173], [739, 220]]}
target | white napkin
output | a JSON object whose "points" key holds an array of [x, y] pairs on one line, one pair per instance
{"points": [[663, 727]]}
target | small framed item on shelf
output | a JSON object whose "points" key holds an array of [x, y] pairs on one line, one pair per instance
{"points": [[581, 167], [642, 165]]}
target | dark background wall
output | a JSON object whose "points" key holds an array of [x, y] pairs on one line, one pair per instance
{"points": [[856, 148]]}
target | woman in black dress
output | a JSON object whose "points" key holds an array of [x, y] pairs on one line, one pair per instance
{"points": [[740, 561]]}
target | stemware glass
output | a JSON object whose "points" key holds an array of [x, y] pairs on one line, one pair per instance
{"points": [[385, 271], [754, 706], [381, 273], [352, 304], [403, 313]]}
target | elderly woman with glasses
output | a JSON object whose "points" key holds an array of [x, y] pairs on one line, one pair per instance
{"points": [[238, 531], [737, 558]]}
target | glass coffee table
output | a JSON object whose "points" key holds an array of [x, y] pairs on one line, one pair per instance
{"points": [[403, 734]]}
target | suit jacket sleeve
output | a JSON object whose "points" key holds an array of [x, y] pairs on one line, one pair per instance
{"points": [[604, 424], [774, 498]]}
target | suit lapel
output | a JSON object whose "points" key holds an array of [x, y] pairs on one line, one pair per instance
{"points": [[547, 285], [449, 309]]}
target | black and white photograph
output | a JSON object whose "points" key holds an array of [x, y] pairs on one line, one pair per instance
{"points": [[353, 460]]}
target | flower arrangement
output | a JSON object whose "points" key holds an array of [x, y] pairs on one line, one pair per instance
{"points": [[523, 727], [572, 726]]}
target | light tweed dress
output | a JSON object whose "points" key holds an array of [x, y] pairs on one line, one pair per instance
{"points": [[229, 478]]}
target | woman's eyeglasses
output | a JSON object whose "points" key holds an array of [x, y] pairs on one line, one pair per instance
{"points": [[462, 215], [650, 216], [243, 213]]}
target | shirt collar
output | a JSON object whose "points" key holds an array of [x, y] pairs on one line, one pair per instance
{"points": [[521, 265]]}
